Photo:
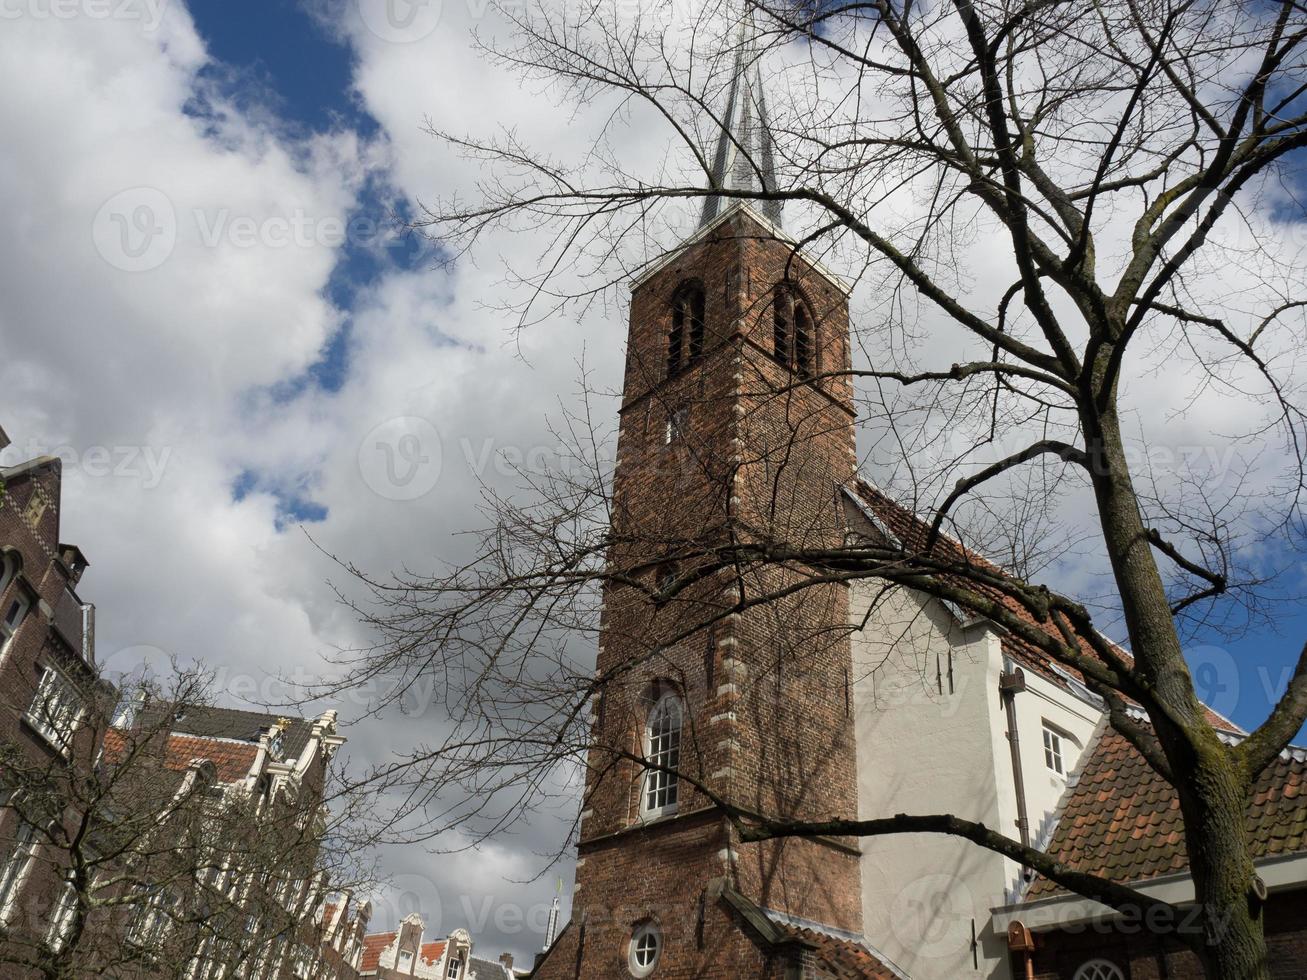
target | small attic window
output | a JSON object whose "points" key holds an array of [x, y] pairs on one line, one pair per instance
{"points": [[1053, 743]]}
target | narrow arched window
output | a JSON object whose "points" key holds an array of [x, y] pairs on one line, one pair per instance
{"points": [[10, 564], [802, 340], [662, 749], [793, 331], [782, 308], [685, 338]]}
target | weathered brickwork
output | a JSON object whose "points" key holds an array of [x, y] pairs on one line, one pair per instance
{"points": [[1142, 955], [726, 444], [41, 576]]}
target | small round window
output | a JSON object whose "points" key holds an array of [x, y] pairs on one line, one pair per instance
{"points": [[1099, 970], [646, 946]]}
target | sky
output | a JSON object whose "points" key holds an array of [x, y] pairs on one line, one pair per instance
{"points": [[207, 312]]}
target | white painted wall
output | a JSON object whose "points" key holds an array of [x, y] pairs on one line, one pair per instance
{"points": [[923, 750]]}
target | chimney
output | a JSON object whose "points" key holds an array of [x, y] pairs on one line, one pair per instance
{"points": [[507, 960]]}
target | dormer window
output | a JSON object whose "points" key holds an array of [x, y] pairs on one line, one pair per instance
{"points": [[455, 969], [685, 338], [793, 334]]}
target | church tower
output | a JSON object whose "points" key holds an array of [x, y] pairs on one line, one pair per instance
{"points": [[736, 426]]}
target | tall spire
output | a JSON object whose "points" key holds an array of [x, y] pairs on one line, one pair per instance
{"points": [[745, 157]]}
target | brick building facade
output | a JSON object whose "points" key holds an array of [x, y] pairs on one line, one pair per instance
{"points": [[737, 424]]}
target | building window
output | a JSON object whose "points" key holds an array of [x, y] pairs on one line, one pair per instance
{"points": [[1053, 750], [56, 709], [455, 969], [65, 910], [685, 339], [645, 947], [662, 747], [677, 424], [10, 564], [15, 613], [152, 919], [22, 853], [793, 340], [1099, 970], [405, 959]]}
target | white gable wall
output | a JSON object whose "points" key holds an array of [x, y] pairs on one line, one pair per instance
{"points": [[926, 748], [923, 750]]}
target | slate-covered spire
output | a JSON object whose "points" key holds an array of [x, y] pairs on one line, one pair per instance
{"points": [[745, 156]]}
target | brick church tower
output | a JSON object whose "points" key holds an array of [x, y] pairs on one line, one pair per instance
{"points": [[731, 430]]}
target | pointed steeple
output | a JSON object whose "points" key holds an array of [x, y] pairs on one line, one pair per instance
{"points": [[745, 156]]}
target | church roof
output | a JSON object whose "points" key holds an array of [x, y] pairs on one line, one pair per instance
{"points": [[1121, 820], [910, 532], [745, 156]]}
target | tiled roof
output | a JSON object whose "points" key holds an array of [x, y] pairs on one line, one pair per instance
{"points": [[431, 952], [479, 969], [912, 532], [373, 946], [232, 760], [233, 723], [843, 959], [1122, 820]]}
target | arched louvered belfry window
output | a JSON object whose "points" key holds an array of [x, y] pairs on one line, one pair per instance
{"points": [[685, 338], [793, 331]]}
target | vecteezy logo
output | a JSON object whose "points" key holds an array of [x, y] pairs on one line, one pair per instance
{"points": [[932, 914], [400, 21], [400, 459], [1216, 678], [136, 229]]}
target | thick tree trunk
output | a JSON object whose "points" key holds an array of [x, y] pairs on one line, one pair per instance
{"points": [[1214, 795]]}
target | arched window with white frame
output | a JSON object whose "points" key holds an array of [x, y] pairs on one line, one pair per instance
{"points": [[662, 749]]}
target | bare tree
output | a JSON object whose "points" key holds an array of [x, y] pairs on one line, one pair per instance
{"points": [[143, 854], [1124, 163]]}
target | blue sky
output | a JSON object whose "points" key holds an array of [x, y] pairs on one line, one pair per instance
{"points": [[261, 378]]}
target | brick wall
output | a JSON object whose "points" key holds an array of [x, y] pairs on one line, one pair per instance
{"points": [[1142, 955], [759, 453]]}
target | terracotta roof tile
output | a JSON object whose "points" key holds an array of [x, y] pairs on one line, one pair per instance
{"points": [[373, 946], [232, 760], [912, 533], [431, 952], [1123, 821], [842, 959]]}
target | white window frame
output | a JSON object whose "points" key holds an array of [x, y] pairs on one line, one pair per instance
{"points": [[454, 969], [640, 959], [61, 918], [152, 920], [1055, 742], [660, 790], [1099, 969], [17, 866], [56, 710], [9, 567], [15, 613], [678, 423]]}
